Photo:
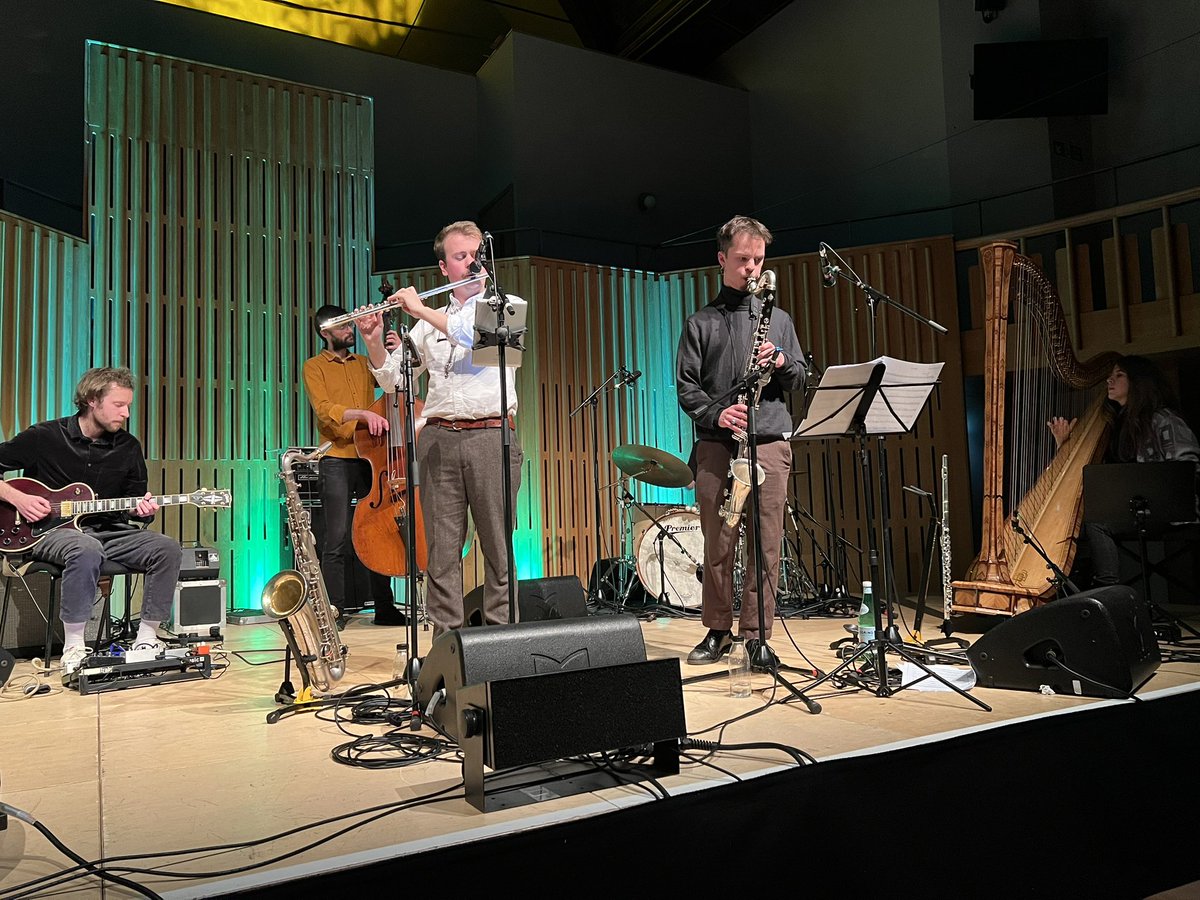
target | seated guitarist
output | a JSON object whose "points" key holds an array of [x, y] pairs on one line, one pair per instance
{"points": [[93, 447]]}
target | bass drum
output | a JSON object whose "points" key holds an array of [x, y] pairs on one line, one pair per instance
{"points": [[681, 574]]}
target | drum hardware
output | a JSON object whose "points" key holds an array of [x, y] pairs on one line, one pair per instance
{"points": [[669, 553], [831, 596], [652, 466], [662, 469]]}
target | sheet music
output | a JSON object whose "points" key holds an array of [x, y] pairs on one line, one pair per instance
{"points": [[899, 401]]}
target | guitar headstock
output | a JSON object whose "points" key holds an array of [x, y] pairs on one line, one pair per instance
{"points": [[211, 497]]}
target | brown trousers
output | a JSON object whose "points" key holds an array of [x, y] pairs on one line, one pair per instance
{"points": [[720, 540], [461, 469]]}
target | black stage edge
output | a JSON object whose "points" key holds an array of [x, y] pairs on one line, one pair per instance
{"points": [[1085, 804]]}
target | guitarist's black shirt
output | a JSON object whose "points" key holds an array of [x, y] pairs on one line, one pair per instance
{"points": [[57, 453]]}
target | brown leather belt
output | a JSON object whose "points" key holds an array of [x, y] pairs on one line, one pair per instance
{"points": [[467, 424]]}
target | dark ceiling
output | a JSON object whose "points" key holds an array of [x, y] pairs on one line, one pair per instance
{"points": [[460, 35]]}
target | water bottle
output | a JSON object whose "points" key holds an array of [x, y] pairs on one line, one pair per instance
{"points": [[739, 669], [400, 663], [866, 616]]}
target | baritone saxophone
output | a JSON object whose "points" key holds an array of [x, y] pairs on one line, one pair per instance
{"points": [[298, 595]]}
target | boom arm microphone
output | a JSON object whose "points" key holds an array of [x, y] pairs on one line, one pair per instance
{"points": [[828, 272]]}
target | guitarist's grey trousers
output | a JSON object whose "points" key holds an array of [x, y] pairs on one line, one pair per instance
{"points": [[81, 554]]}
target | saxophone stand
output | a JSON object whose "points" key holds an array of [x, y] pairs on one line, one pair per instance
{"points": [[764, 658], [501, 337], [845, 405], [287, 692], [597, 584], [929, 554]]}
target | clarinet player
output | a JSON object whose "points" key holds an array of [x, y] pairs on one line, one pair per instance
{"points": [[714, 352]]}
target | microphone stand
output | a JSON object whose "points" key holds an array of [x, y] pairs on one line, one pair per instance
{"points": [[593, 400], [501, 339], [875, 298], [764, 656], [412, 485], [1059, 577]]}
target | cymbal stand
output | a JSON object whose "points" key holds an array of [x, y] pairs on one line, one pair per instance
{"points": [[593, 400]]}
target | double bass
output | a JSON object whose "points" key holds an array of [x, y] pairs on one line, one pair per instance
{"points": [[381, 517]]}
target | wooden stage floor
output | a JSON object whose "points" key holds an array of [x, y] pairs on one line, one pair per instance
{"points": [[196, 764]]}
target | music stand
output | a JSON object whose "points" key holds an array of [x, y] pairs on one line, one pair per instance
{"points": [[1141, 500], [883, 396]]}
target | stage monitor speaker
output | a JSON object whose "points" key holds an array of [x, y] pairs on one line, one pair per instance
{"points": [[466, 656], [516, 722], [538, 599], [1104, 635]]}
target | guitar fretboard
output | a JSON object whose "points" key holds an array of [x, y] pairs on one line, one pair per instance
{"points": [[70, 508]]}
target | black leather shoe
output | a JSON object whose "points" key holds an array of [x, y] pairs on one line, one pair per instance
{"points": [[710, 650], [762, 657], [389, 615]]}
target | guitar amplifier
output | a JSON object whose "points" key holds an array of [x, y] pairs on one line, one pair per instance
{"points": [[197, 606], [25, 601], [199, 563]]}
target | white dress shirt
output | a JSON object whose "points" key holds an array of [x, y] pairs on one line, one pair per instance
{"points": [[457, 389]]}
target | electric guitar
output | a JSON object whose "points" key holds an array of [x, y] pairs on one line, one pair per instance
{"points": [[68, 504]]}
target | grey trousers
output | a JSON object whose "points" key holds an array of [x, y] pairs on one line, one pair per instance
{"points": [[82, 553], [461, 470], [720, 540]]}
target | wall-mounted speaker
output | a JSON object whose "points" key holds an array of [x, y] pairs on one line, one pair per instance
{"points": [[1097, 643]]}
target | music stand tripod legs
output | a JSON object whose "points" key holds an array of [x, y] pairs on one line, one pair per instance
{"points": [[877, 650]]}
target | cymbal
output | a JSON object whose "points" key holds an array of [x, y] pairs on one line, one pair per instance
{"points": [[651, 465]]}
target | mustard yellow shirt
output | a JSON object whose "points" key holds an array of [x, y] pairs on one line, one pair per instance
{"points": [[335, 384]]}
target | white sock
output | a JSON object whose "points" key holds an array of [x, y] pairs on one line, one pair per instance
{"points": [[147, 633], [73, 634]]}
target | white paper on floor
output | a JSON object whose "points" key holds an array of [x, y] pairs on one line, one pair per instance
{"points": [[963, 679]]}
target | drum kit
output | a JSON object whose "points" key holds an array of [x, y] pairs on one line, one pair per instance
{"points": [[667, 546], [664, 548]]}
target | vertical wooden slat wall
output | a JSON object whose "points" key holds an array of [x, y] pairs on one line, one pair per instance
{"points": [[223, 209], [45, 341], [585, 321]]}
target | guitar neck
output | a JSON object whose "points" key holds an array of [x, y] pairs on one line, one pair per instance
{"points": [[117, 504]]}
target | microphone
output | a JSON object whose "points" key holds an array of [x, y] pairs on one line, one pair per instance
{"points": [[827, 271], [630, 377], [475, 268], [414, 355]]}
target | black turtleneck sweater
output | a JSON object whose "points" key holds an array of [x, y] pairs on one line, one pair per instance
{"points": [[712, 355]]}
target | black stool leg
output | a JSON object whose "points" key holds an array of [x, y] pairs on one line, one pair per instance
{"points": [[51, 617]]}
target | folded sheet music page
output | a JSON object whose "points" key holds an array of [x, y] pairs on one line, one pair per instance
{"points": [[901, 396]]}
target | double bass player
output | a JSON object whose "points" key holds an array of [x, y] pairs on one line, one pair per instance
{"points": [[341, 389]]}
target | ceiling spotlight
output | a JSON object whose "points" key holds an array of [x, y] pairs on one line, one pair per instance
{"points": [[647, 202]]}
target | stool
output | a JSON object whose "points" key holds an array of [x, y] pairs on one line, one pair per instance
{"points": [[108, 568]]}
